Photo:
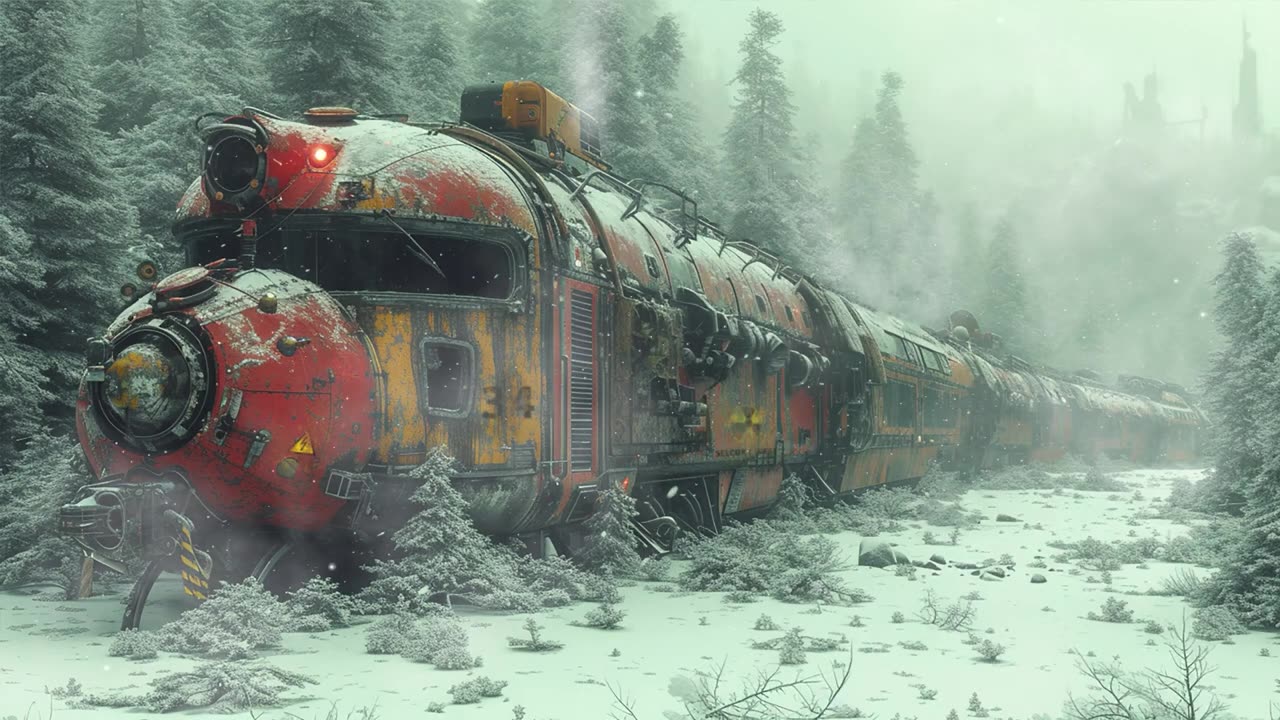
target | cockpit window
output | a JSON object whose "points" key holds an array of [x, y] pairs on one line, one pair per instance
{"points": [[361, 261]]}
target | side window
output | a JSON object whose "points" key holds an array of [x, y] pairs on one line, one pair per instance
{"points": [[764, 309], [904, 350], [447, 380], [900, 403]]}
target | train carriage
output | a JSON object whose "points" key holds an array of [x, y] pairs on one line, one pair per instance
{"points": [[365, 289]]}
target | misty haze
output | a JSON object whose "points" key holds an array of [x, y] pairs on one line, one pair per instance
{"points": [[640, 359]]}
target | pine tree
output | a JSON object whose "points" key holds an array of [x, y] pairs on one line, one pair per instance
{"points": [[1005, 303], [1235, 368], [57, 192], [135, 42], [758, 146], [439, 549], [510, 41], [678, 153], [610, 546], [604, 83], [332, 52], [890, 220]]}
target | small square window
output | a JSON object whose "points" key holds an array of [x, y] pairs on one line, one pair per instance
{"points": [[448, 367], [764, 309], [651, 264]]}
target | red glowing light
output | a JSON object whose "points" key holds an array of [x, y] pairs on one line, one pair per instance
{"points": [[320, 154]]}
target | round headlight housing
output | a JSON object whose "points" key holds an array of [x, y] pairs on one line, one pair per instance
{"points": [[157, 386], [235, 162]]}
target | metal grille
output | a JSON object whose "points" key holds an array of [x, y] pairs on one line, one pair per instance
{"points": [[581, 377]]}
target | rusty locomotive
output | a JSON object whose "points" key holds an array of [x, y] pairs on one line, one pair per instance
{"points": [[361, 289]]}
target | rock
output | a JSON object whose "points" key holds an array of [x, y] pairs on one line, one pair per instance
{"points": [[930, 565], [878, 553], [1006, 518], [997, 571], [976, 572], [965, 566], [990, 576], [936, 558], [1038, 578]]}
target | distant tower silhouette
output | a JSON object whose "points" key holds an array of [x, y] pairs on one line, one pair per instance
{"points": [[1246, 120], [1143, 115]]}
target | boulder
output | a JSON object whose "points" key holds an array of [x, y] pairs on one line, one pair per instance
{"points": [[1006, 518], [1038, 578], [936, 558], [997, 571], [878, 553], [965, 566], [990, 576]]}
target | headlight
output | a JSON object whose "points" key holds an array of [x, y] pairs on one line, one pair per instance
{"points": [[155, 391], [235, 161]]}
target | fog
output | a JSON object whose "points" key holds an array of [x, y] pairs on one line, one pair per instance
{"points": [[1019, 107]]}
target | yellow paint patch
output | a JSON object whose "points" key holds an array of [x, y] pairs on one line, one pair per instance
{"points": [[303, 445]]}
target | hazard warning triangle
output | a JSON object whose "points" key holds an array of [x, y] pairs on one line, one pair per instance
{"points": [[303, 445]]}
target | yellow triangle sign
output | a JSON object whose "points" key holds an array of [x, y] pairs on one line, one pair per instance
{"points": [[303, 445]]}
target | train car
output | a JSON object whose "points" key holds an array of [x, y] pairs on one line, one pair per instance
{"points": [[363, 289]]}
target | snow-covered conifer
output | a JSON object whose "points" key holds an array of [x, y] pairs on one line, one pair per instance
{"points": [[610, 545]]}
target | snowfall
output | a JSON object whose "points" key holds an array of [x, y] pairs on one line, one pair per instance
{"points": [[669, 636]]}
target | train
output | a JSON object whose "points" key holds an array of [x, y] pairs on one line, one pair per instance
{"points": [[362, 289]]}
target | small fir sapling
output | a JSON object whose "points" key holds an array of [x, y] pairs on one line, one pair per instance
{"points": [[535, 642], [764, 622], [610, 545], [990, 651], [237, 620], [606, 617], [318, 605], [898, 618], [1113, 610], [975, 705], [791, 649]]}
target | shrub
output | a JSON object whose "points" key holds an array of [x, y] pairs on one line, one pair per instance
{"points": [[535, 642], [237, 620], [474, 690], [764, 622], [1210, 545], [654, 569], [134, 645], [990, 651], [610, 544], [912, 645], [1216, 622], [928, 538], [898, 618], [1114, 610], [761, 558], [318, 605], [605, 617], [1097, 481], [791, 650], [226, 686], [925, 692], [1153, 628], [888, 503], [454, 657], [974, 703], [944, 514]]}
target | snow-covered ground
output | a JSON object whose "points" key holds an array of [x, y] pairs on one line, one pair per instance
{"points": [[669, 634]]}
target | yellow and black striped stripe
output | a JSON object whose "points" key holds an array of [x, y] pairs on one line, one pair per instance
{"points": [[195, 580]]}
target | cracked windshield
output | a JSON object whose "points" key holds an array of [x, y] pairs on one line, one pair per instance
{"points": [[640, 359]]}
